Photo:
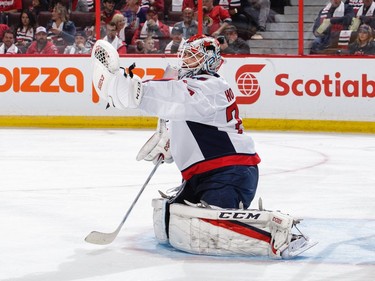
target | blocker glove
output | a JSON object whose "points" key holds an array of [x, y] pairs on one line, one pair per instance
{"points": [[158, 144]]}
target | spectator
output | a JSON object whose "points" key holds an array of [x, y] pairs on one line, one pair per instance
{"points": [[223, 3], [80, 46], [41, 45], [3, 27], [108, 11], [60, 29], [153, 27], [91, 5], [8, 7], [135, 15], [8, 47], [157, 4], [25, 30], [333, 18], [231, 43], [188, 24], [120, 22], [112, 38], [259, 10], [246, 25], [38, 6], [366, 14], [192, 4], [177, 42], [355, 4], [119, 4], [215, 18], [91, 35], [146, 46], [364, 44], [79, 6]]}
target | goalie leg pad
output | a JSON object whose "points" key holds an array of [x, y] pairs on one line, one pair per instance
{"points": [[206, 231], [281, 232], [216, 231], [159, 219]]}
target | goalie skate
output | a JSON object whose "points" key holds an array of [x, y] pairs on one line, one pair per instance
{"points": [[297, 246]]}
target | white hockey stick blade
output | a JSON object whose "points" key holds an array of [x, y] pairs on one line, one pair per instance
{"points": [[297, 247], [102, 238]]}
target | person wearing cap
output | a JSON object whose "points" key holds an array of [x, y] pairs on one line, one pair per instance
{"points": [[8, 47], [364, 43], [80, 45], [41, 45], [188, 24], [152, 27], [230, 43], [177, 42]]}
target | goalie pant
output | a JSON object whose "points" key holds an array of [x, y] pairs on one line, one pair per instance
{"points": [[223, 231]]}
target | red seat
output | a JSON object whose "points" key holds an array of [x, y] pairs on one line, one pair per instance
{"points": [[13, 19], [82, 19], [43, 18]]}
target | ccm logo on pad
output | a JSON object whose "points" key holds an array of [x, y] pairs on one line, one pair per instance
{"points": [[238, 215]]}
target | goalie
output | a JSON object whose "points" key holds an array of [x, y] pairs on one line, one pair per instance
{"points": [[204, 136]]}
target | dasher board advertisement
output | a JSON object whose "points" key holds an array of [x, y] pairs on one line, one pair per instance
{"points": [[278, 88]]}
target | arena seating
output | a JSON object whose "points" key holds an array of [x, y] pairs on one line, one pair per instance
{"points": [[13, 19], [171, 17], [82, 19], [43, 18], [281, 37]]}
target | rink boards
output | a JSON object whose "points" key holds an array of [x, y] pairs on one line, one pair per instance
{"points": [[274, 93]]}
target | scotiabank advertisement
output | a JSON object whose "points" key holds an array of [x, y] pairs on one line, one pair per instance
{"points": [[278, 88]]}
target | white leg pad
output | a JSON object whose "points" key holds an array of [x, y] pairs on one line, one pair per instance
{"points": [[208, 231], [281, 232], [159, 213], [228, 232]]}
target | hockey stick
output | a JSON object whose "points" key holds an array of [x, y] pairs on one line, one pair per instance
{"points": [[101, 238]]}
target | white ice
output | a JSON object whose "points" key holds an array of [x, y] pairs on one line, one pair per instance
{"points": [[56, 186]]}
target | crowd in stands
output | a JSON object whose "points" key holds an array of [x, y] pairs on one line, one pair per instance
{"points": [[46, 27], [162, 26], [345, 27]]}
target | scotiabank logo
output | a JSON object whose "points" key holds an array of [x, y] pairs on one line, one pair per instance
{"points": [[328, 86], [248, 84], [43, 79]]}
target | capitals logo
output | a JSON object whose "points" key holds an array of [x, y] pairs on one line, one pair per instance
{"points": [[248, 84]]}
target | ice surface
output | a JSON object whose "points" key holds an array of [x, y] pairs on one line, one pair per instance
{"points": [[56, 186]]}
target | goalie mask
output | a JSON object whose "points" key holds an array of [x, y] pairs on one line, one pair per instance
{"points": [[200, 54]]}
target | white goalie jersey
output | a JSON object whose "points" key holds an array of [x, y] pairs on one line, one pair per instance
{"points": [[204, 124]]}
